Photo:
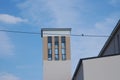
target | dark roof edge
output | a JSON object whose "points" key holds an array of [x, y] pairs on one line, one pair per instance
{"points": [[110, 38], [80, 62], [77, 68], [54, 29]]}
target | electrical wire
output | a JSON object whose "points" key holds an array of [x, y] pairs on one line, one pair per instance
{"points": [[20, 32], [83, 35], [24, 32]]}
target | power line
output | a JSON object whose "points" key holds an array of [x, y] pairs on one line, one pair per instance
{"points": [[20, 32], [24, 32], [84, 35]]}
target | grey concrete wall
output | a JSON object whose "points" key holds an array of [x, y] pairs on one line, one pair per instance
{"points": [[106, 68]]}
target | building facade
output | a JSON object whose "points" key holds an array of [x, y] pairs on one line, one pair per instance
{"points": [[56, 53], [106, 65], [98, 68]]}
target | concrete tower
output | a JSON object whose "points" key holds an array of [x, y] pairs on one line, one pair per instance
{"points": [[56, 53]]}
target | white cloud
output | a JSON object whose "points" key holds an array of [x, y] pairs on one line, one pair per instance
{"points": [[107, 24], [6, 18], [64, 12], [36, 11], [6, 47], [8, 76], [54, 13]]}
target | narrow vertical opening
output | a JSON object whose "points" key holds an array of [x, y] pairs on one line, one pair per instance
{"points": [[63, 47], [56, 42], [49, 48]]}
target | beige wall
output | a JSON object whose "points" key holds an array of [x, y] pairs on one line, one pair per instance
{"points": [[57, 70], [45, 48], [60, 55], [106, 68], [68, 48]]}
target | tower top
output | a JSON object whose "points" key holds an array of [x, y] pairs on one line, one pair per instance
{"points": [[55, 31]]}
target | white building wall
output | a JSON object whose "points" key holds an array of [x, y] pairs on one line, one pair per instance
{"points": [[106, 68], [56, 33], [57, 70]]}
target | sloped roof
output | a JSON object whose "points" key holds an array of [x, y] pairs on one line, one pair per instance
{"points": [[115, 30]]}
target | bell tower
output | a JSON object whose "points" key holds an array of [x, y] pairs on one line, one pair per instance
{"points": [[56, 53]]}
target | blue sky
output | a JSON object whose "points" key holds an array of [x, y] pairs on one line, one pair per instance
{"points": [[21, 54]]}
